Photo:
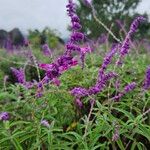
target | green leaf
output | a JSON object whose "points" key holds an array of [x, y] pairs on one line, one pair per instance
{"points": [[128, 114], [120, 144], [16, 144]]}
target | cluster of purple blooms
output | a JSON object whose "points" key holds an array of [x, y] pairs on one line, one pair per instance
{"points": [[80, 92], [76, 36], [127, 89], [124, 50], [102, 79], [66, 61], [4, 116], [20, 76], [107, 60]]}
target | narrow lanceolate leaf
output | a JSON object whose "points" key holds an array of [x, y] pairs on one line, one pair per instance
{"points": [[120, 144], [145, 131], [16, 144], [126, 113]]}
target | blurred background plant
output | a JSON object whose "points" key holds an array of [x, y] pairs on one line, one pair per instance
{"points": [[38, 38], [113, 13]]}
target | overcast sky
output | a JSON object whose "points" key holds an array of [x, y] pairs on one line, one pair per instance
{"points": [[30, 14]]}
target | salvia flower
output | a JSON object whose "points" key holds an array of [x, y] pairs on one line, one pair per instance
{"points": [[75, 19], [76, 26], [4, 116], [71, 8], [52, 70], [147, 79], [79, 92], [125, 47], [77, 36], [46, 50], [135, 24], [127, 89], [94, 89], [45, 123], [83, 52], [124, 50], [19, 74], [98, 87], [73, 47], [118, 97], [107, 60], [39, 92], [109, 56]]}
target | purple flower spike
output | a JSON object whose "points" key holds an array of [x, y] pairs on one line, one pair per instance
{"points": [[125, 47], [135, 24], [147, 79], [4, 116], [45, 123], [19, 74], [79, 92], [107, 60], [71, 8], [130, 87], [73, 47], [127, 89], [118, 97], [126, 43], [83, 52]]}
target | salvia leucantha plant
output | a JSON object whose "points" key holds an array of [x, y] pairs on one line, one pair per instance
{"points": [[66, 109]]}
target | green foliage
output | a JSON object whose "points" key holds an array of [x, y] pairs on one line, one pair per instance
{"points": [[109, 11], [36, 37], [71, 127]]}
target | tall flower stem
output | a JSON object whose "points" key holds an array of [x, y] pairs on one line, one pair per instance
{"points": [[102, 24], [88, 118]]}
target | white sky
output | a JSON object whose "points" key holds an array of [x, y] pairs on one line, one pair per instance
{"points": [[30, 14]]}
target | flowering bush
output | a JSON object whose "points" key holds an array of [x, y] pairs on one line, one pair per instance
{"points": [[81, 101]]}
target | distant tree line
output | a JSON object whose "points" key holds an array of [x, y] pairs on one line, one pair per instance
{"points": [[15, 39], [110, 12], [11, 39]]}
